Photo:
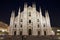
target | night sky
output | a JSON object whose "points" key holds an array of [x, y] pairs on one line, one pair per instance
{"points": [[53, 7]]}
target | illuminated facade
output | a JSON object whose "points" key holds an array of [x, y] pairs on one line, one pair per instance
{"points": [[30, 22]]}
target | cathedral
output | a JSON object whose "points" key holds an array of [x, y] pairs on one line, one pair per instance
{"points": [[30, 22]]}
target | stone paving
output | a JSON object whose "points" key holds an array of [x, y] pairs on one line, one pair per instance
{"points": [[29, 37]]}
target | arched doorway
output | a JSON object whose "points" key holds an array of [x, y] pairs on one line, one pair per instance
{"points": [[44, 32], [14, 32], [29, 32], [20, 32], [38, 33]]}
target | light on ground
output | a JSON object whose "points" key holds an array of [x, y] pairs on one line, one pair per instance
{"points": [[3, 30], [58, 30]]}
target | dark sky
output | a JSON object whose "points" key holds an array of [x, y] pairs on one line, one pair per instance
{"points": [[53, 7]]}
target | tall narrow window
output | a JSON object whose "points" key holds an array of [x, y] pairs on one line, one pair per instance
{"points": [[37, 20], [21, 25], [44, 25], [29, 13], [29, 21], [21, 20], [15, 26], [38, 25]]}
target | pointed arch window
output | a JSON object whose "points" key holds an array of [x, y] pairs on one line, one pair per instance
{"points": [[15, 26], [21, 25], [21, 20], [37, 20], [44, 25], [29, 21], [38, 25], [29, 13]]}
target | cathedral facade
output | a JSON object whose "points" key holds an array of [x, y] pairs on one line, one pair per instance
{"points": [[30, 22]]}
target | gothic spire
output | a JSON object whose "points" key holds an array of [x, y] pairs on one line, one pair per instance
{"points": [[47, 19], [40, 12], [13, 14], [46, 14], [18, 22], [25, 5], [34, 6], [19, 11], [12, 18]]}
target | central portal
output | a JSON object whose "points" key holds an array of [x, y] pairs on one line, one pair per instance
{"points": [[29, 32]]}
